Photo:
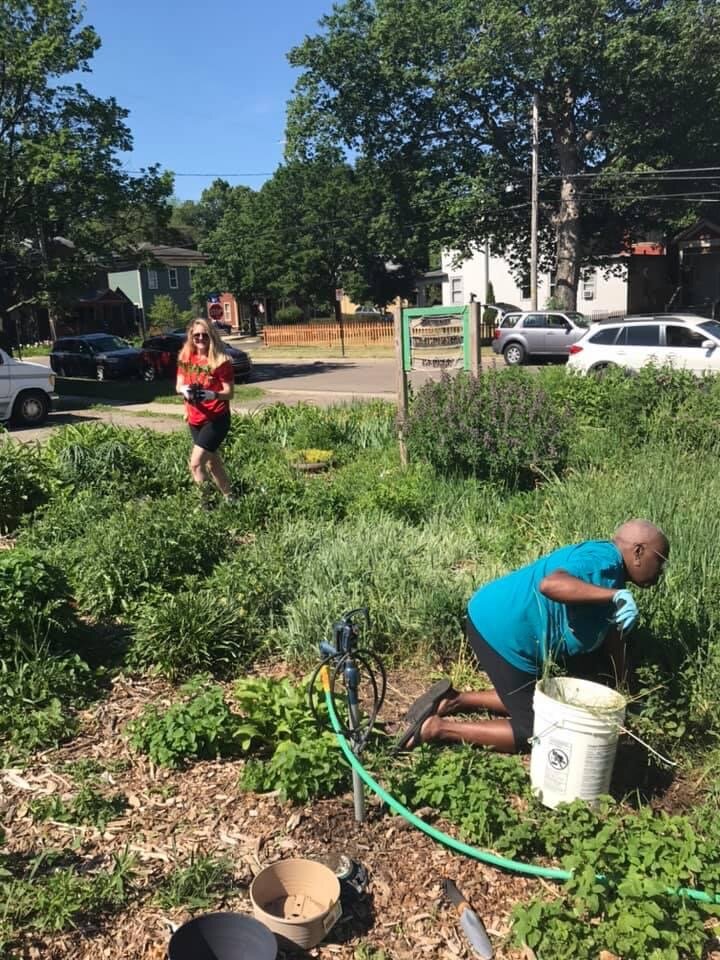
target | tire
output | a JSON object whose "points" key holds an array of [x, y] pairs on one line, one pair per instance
{"points": [[100, 372], [514, 354], [31, 408], [149, 373], [600, 369]]}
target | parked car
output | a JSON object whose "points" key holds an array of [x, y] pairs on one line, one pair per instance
{"points": [[686, 341], [159, 357], [221, 326], [97, 355], [537, 333], [26, 391]]}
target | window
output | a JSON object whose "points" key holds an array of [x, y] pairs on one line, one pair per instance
{"points": [[683, 337], [589, 287], [535, 320], [172, 278], [640, 335], [557, 321], [525, 288], [226, 308], [456, 290], [152, 279], [510, 319], [604, 337]]}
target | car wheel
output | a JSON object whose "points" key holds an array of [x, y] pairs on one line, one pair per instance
{"points": [[100, 372], [600, 369], [31, 408], [514, 354], [149, 373]]}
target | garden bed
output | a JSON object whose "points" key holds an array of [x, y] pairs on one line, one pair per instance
{"points": [[130, 801]]}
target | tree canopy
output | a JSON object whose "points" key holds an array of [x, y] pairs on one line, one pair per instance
{"points": [[65, 202], [440, 94]]}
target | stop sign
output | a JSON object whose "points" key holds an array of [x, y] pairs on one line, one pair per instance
{"points": [[215, 311]]}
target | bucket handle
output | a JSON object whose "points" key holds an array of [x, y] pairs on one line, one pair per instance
{"points": [[537, 737], [671, 763]]}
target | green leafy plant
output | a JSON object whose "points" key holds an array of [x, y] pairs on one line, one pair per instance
{"points": [[26, 481], [499, 426], [299, 761], [87, 806], [34, 600], [198, 726], [196, 886]]}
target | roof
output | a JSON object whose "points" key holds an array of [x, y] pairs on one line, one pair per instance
{"points": [[699, 230], [173, 256]]}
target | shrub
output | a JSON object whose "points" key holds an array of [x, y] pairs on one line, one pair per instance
{"points": [[499, 426], [26, 481], [180, 634], [144, 546], [109, 458], [198, 726], [34, 600], [40, 693], [290, 314]]}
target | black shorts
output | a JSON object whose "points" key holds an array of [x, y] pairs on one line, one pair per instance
{"points": [[514, 687], [210, 435]]}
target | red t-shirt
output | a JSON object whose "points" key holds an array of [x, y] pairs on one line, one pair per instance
{"points": [[197, 371]]}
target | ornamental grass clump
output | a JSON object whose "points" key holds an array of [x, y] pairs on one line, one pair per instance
{"points": [[500, 426]]}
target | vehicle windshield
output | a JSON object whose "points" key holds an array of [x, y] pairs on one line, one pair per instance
{"points": [[103, 344], [578, 318], [712, 327]]}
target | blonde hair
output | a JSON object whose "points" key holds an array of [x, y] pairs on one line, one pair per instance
{"points": [[216, 349]]}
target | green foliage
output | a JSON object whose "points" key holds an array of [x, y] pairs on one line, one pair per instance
{"points": [[87, 806], [50, 897], [300, 762], [26, 481], [34, 600], [290, 314], [40, 693], [143, 546], [196, 886], [197, 726], [165, 314], [179, 634], [498, 426]]}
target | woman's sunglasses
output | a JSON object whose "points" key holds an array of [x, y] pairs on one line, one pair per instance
{"points": [[200, 336]]}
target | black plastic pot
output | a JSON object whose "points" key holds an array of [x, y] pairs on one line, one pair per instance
{"points": [[223, 936]]}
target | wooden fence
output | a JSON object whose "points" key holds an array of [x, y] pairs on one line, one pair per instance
{"points": [[355, 333]]}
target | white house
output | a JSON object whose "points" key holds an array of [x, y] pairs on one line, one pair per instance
{"points": [[597, 293]]}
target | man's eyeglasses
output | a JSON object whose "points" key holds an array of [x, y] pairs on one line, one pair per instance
{"points": [[662, 556], [200, 336]]}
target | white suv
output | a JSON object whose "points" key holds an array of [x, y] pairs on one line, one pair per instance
{"points": [[26, 391], [685, 341]]}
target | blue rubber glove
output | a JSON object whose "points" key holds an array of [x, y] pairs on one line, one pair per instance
{"points": [[626, 611]]}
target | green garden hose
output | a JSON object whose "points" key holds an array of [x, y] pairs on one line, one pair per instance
{"points": [[516, 866]]}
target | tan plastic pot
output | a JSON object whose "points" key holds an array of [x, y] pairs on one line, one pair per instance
{"points": [[299, 900]]}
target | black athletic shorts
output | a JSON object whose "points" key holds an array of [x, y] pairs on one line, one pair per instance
{"points": [[210, 435], [514, 687]]}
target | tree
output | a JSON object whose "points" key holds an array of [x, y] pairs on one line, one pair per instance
{"points": [[65, 203], [165, 314], [442, 93]]}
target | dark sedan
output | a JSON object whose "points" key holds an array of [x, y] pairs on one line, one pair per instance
{"points": [[96, 355], [159, 357]]}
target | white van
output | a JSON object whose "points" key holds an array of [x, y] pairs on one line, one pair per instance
{"points": [[26, 391]]}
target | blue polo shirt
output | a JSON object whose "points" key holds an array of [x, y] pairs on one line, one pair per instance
{"points": [[527, 628]]}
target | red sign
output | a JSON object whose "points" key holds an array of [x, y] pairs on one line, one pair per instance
{"points": [[215, 311]]}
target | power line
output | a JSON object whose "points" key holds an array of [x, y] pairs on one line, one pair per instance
{"points": [[226, 176]]}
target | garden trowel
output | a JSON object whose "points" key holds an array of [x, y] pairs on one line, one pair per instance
{"points": [[471, 924]]}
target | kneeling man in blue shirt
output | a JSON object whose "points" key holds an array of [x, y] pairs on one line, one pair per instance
{"points": [[566, 604]]}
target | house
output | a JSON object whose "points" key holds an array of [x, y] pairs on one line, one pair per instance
{"points": [[632, 281], [156, 271], [698, 250]]}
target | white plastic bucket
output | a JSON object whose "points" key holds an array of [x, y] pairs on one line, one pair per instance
{"points": [[575, 736]]}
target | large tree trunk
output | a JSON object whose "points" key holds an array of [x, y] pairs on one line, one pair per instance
{"points": [[567, 221]]}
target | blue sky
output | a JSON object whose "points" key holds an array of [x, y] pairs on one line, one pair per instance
{"points": [[206, 81]]}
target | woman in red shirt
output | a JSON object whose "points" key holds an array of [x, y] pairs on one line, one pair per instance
{"points": [[205, 379]]}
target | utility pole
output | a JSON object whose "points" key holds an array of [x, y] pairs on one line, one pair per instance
{"points": [[534, 205]]}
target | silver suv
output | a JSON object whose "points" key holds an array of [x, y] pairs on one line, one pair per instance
{"points": [[538, 333]]}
